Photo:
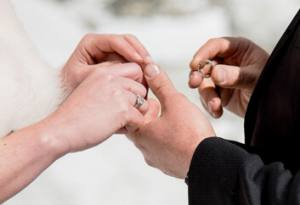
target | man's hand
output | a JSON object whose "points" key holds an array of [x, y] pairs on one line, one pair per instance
{"points": [[168, 141], [233, 79], [95, 49]]}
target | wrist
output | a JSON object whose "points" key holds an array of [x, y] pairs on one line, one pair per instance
{"points": [[51, 137]]}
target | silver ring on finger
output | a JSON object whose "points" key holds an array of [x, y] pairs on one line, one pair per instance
{"points": [[139, 102], [201, 66]]}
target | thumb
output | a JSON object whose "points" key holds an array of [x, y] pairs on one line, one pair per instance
{"points": [[159, 82], [226, 76]]}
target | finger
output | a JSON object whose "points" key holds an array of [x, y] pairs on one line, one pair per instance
{"points": [[135, 120], [114, 57], [226, 95], [133, 86], [150, 116], [132, 99], [98, 46], [213, 102], [195, 79], [109, 63], [159, 82], [139, 47], [127, 70], [154, 110], [213, 48], [233, 76], [85, 72]]}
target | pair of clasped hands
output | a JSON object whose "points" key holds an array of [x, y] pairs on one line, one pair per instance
{"points": [[106, 73]]}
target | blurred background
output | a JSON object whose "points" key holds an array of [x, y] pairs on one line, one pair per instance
{"points": [[172, 30]]}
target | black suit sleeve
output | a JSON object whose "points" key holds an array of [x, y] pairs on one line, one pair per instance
{"points": [[224, 173]]}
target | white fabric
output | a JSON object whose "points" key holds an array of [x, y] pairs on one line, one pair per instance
{"points": [[29, 88]]}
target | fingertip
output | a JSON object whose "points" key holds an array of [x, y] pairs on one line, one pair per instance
{"points": [[195, 79], [215, 107]]}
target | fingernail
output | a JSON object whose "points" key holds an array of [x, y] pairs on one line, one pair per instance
{"points": [[220, 76], [151, 71]]}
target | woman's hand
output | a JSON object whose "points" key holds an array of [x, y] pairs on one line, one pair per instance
{"points": [[168, 141], [94, 49], [100, 106], [239, 64]]}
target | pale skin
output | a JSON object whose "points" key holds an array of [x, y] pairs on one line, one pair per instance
{"points": [[101, 102], [168, 141]]}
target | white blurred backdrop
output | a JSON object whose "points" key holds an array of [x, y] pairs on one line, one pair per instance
{"points": [[172, 30]]}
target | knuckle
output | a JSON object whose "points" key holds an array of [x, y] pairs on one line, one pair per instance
{"points": [[211, 40], [149, 162], [129, 35], [117, 93], [107, 78], [87, 38], [116, 39], [160, 89]]}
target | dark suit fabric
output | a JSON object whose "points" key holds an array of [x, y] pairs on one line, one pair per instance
{"points": [[266, 169]]}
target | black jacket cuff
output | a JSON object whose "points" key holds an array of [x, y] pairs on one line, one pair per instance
{"points": [[213, 175]]}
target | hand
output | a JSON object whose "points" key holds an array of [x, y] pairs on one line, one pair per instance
{"points": [[94, 49], [233, 79], [168, 141], [101, 105]]}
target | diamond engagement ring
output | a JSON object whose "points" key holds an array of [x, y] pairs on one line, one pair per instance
{"points": [[139, 101]]}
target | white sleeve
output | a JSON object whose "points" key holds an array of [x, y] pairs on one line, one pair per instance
{"points": [[29, 88]]}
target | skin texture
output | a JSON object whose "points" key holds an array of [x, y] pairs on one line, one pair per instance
{"points": [[100, 102], [171, 131], [94, 49], [239, 64]]}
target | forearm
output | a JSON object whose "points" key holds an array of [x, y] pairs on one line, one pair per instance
{"points": [[23, 156]]}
